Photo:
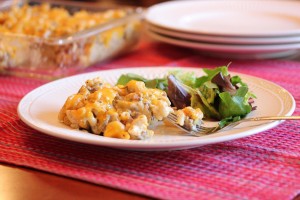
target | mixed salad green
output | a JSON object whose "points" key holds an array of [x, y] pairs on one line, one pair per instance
{"points": [[219, 96]]}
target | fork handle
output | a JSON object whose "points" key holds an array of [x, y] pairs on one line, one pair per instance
{"points": [[253, 119], [272, 118]]}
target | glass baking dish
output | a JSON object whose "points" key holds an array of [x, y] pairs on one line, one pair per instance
{"points": [[55, 57]]}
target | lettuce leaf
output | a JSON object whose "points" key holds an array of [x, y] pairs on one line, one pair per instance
{"points": [[159, 83], [210, 74], [236, 105], [187, 78]]}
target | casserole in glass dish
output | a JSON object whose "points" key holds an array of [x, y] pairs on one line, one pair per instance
{"points": [[52, 39]]}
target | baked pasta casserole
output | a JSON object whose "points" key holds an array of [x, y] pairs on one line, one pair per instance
{"points": [[60, 41]]}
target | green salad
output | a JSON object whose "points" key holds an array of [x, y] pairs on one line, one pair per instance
{"points": [[219, 95]]}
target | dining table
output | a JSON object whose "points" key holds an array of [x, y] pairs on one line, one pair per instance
{"points": [[265, 165]]}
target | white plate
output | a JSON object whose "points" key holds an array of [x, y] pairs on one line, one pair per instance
{"points": [[232, 50], [39, 109], [223, 39], [230, 17]]}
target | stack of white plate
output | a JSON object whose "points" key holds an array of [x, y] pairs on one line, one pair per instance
{"points": [[234, 28]]}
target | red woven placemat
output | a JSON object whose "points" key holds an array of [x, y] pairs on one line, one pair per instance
{"points": [[262, 166]]}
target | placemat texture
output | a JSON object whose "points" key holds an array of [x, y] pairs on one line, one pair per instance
{"points": [[262, 166]]}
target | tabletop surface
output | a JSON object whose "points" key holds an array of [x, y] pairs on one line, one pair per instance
{"points": [[40, 169], [23, 183]]}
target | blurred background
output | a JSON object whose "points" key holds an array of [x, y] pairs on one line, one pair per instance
{"points": [[144, 3]]}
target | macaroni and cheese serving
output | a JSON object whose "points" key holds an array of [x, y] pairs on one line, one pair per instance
{"points": [[116, 111]]}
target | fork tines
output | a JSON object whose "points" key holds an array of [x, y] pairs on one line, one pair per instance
{"points": [[197, 131]]}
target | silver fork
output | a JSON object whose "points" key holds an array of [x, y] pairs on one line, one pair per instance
{"points": [[201, 130]]}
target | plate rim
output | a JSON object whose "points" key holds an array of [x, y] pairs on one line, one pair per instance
{"points": [[141, 145]]}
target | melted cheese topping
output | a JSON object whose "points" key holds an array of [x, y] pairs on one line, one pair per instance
{"points": [[55, 21], [121, 111]]}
